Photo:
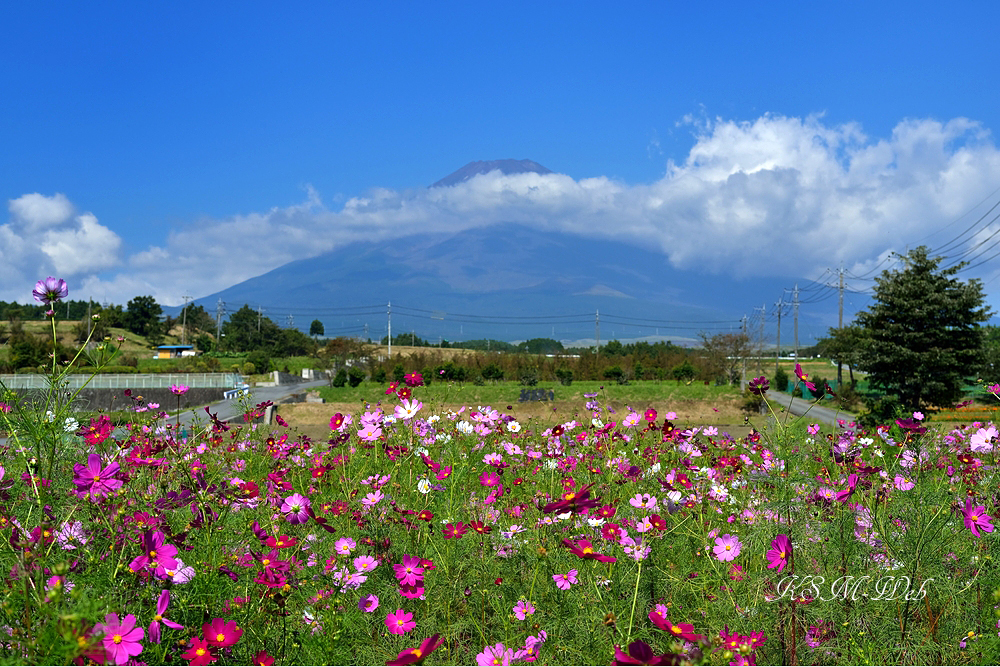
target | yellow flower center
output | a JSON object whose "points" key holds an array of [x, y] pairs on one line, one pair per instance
{"points": [[729, 547], [117, 639], [220, 637], [416, 653], [157, 617], [975, 517], [199, 652]]}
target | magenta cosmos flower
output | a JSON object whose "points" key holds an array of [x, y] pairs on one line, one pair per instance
{"points": [[296, 508], [368, 603], [409, 572], [564, 581], [50, 290], [178, 389], [221, 632], [400, 622], [976, 518], [780, 553], [95, 479], [161, 609], [727, 547], [155, 552], [412, 656], [121, 638]]}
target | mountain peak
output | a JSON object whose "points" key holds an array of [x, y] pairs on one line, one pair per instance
{"points": [[485, 167]]}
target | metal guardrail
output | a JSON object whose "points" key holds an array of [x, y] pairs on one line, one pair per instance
{"points": [[127, 380]]}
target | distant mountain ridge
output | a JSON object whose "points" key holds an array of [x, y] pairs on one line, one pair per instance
{"points": [[484, 167], [504, 281]]}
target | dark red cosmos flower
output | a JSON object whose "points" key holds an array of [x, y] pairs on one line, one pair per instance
{"points": [[606, 512], [425, 515], [415, 656], [640, 653], [454, 530], [759, 385], [480, 527], [413, 380], [682, 630], [611, 531], [392, 388], [573, 501], [658, 522], [403, 393], [584, 549]]}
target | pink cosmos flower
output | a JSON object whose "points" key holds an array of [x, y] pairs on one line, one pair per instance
{"points": [[976, 518], [368, 603], [345, 546], [178, 389], [982, 440], [50, 290], [369, 433], [727, 547], [495, 655], [121, 638], [296, 508], [780, 553], [523, 609], [903, 483], [565, 581], [400, 622], [365, 563], [813, 429]]}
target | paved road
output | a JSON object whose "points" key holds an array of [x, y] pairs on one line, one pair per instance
{"points": [[799, 407], [232, 410]]}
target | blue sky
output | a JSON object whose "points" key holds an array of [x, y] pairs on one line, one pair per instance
{"points": [[177, 149]]}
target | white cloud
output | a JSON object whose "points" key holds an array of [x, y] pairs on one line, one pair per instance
{"points": [[44, 238], [36, 211], [772, 196]]}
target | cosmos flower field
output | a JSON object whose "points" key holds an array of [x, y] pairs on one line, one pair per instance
{"points": [[416, 534]]}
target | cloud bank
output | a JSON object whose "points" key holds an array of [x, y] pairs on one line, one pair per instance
{"points": [[772, 196]]}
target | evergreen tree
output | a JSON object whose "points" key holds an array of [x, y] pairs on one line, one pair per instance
{"points": [[921, 336]]}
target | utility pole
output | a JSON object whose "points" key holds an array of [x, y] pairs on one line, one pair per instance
{"points": [[389, 313], [840, 324], [260, 314], [220, 311], [90, 319], [290, 321], [795, 312], [597, 330], [743, 376], [777, 347], [184, 320]]}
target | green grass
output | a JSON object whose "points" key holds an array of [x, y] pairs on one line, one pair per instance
{"points": [[636, 394]]}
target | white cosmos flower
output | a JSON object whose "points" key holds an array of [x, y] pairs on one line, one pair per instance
{"points": [[513, 426]]}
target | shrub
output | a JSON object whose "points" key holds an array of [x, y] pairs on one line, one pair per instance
{"points": [[781, 380], [355, 376], [379, 375], [615, 373], [528, 377], [340, 379], [565, 376]]}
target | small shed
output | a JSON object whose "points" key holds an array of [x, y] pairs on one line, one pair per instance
{"points": [[174, 351]]}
